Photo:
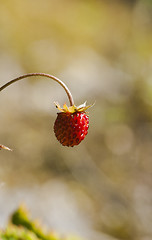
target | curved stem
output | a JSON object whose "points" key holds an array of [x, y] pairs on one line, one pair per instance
{"points": [[42, 75]]}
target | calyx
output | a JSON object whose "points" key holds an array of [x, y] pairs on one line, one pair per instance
{"points": [[73, 109]]}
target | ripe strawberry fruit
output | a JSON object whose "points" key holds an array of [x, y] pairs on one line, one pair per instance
{"points": [[71, 125]]}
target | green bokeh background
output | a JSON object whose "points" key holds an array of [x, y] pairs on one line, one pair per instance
{"points": [[102, 50]]}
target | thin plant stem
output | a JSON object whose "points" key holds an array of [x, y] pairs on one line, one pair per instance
{"points": [[41, 75]]}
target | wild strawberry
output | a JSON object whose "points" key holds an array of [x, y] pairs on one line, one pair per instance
{"points": [[71, 125]]}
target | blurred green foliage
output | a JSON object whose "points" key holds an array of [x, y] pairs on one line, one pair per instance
{"points": [[21, 227]]}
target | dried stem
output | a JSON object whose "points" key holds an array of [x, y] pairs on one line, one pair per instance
{"points": [[42, 75], [4, 147]]}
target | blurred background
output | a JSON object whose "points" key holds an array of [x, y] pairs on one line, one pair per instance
{"points": [[102, 50]]}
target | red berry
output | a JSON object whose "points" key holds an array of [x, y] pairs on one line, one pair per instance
{"points": [[71, 128]]}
